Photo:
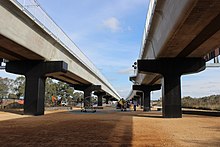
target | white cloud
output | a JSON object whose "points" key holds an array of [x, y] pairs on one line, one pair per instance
{"points": [[112, 23], [124, 92], [200, 88], [127, 71], [201, 84]]}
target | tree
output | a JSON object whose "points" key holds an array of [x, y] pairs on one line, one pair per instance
{"points": [[64, 90], [50, 90], [78, 97], [5, 87], [209, 102], [19, 86], [59, 90]]}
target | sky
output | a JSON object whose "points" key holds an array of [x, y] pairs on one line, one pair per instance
{"points": [[109, 33]]}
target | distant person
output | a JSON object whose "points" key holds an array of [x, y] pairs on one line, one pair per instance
{"points": [[54, 100], [134, 104]]}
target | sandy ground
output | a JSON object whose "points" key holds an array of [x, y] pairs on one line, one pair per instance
{"points": [[108, 127]]}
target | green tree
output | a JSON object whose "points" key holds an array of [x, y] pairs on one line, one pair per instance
{"points": [[59, 90], [77, 97], [50, 90], [64, 90], [5, 87], [19, 86]]}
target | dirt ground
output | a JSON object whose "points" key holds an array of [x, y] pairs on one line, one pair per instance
{"points": [[108, 127]]}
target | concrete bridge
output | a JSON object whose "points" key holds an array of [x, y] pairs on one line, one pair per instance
{"points": [[37, 48], [178, 35]]}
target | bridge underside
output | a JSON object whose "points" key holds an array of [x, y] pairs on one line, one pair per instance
{"points": [[197, 33], [179, 29], [25, 39], [192, 32], [10, 50], [35, 87]]}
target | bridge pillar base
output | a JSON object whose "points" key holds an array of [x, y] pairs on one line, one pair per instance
{"points": [[172, 69], [35, 74]]}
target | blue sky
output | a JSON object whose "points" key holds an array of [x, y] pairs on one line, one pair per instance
{"points": [[110, 34]]}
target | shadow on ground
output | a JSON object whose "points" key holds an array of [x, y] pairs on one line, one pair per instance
{"points": [[67, 129], [205, 113], [14, 111]]}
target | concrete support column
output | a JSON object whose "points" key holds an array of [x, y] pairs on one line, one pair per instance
{"points": [[87, 89], [142, 101], [171, 96], [87, 93], [100, 95], [35, 74], [87, 97], [34, 95], [107, 98], [140, 94], [99, 100], [146, 90], [171, 69], [147, 100], [138, 100]]}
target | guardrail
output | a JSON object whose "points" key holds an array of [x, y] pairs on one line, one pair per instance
{"points": [[33, 10], [148, 22], [149, 18]]}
